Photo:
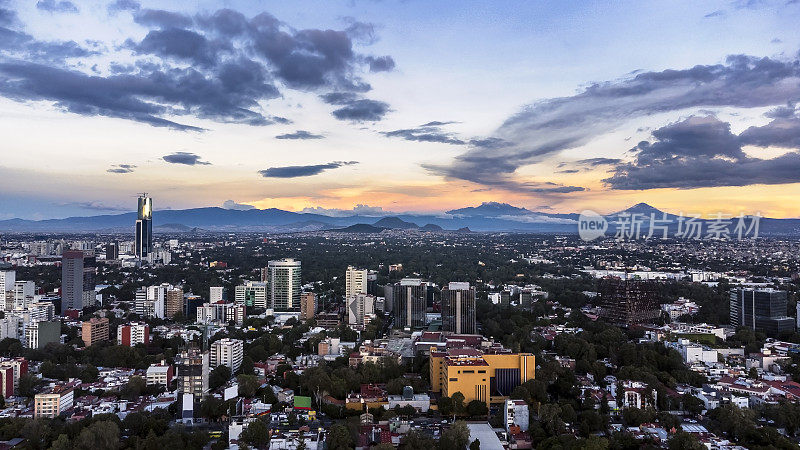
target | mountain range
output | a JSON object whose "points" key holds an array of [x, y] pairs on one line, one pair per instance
{"points": [[487, 217]]}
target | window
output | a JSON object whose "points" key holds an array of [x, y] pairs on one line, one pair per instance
{"points": [[453, 379], [481, 371], [469, 371]]}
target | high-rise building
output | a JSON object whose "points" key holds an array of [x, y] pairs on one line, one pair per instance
{"points": [[143, 245], [151, 301], [94, 330], [7, 280], [174, 302], [410, 302], [252, 293], [355, 281], [360, 309], [629, 302], [71, 280], [216, 294], [39, 334], [89, 296], [223, 313], [761, 310], [284, 284], [227, 352], [53, 402], [132, 334], [191, 370], [458, 308], [24, 292], [10, 371], [112, 251], [308, 305]]}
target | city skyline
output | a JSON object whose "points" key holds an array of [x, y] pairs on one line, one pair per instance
{"points": [[376, 106]]}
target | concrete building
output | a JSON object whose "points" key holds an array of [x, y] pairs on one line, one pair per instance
{"points": [[192, 368], [284, 284], [222, 313], [252, 293], [71, 280], [458, 309], [94, 330], [216, 294], [515, 413], [160, 374], [174, 302], [480, 376], [7, 280], [420, 402], [24, 295], [227, 352], [10, 371], [355, 281], [308, 305], [133, 334], [39, 334], [152, 300], [53, 402], [360, 309]]}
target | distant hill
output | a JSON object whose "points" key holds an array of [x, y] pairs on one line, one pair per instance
{"points": [[361, 228], [431, 227], [395, 223]]}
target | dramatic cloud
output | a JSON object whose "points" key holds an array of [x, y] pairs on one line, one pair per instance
{"points": [[702, 152], [57, 6], [230, 204], [185, 158], [299, 134], [429, 132], [220, 66], [121, 168], [358, 210], [302, 171], [553, 125]]}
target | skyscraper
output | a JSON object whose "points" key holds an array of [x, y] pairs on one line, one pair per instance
{"points": [[458, 308], [143, 245], [761, 310], [410, 301], [629, 302], [284, 284], [355, 281], [308, 305], [71, 280]]}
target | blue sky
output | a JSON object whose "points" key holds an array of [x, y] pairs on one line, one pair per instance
{"points": [[403, 105]]}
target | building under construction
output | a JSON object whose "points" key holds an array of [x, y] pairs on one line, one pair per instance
{"points": [[628, 302]]}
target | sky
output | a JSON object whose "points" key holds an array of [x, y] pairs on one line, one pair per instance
{"points": [[399, 106]]}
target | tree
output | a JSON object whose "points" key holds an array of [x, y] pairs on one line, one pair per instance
{"points": [[417, 440], [446, 406], [62, 443], [456, 437], [27, 385], [248, 385], [477, 408], [256, 434], [475, 445], [219, 376], [339, 438], [684, 441], [458, 402], [134, 388], [103, 434], [247, 367]]}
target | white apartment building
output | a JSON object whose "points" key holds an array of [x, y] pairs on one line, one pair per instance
{"points": [[227, 352], [151, 301], [355, 281], [252, 293], [215, 294], [360, 309], [52, 403]]}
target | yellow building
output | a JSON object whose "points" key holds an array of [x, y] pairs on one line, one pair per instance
{"points": [[487, 377]]}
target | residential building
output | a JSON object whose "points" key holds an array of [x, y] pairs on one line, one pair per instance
{"points": [[160, 374], [252, 293], [223, 313], [360, 309], [7, 280], [308, 305], [487, 377], [10, 371], [71, 280], [24, 292], [515, 413], [94, 330], [284, 284], [174, 302], [39, 334], [410, 302], [216, 294], [458, 309], [151, 301], [355, 281], [133, 334], [227, 352], [53, 402], [191, 370], [761, 310]]}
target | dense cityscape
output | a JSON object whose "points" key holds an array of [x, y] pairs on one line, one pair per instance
{"points": [[406, 338]]}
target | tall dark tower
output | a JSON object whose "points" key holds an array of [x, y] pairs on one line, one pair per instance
{"points": [[144, 227]]}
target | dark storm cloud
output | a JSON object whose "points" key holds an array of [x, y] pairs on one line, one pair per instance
{"points": [[702, 152], [550, 126], [300, 135], [121, 168], [57, 6], [380, 63], [302, 171], [185, 158], [219, 66]]}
